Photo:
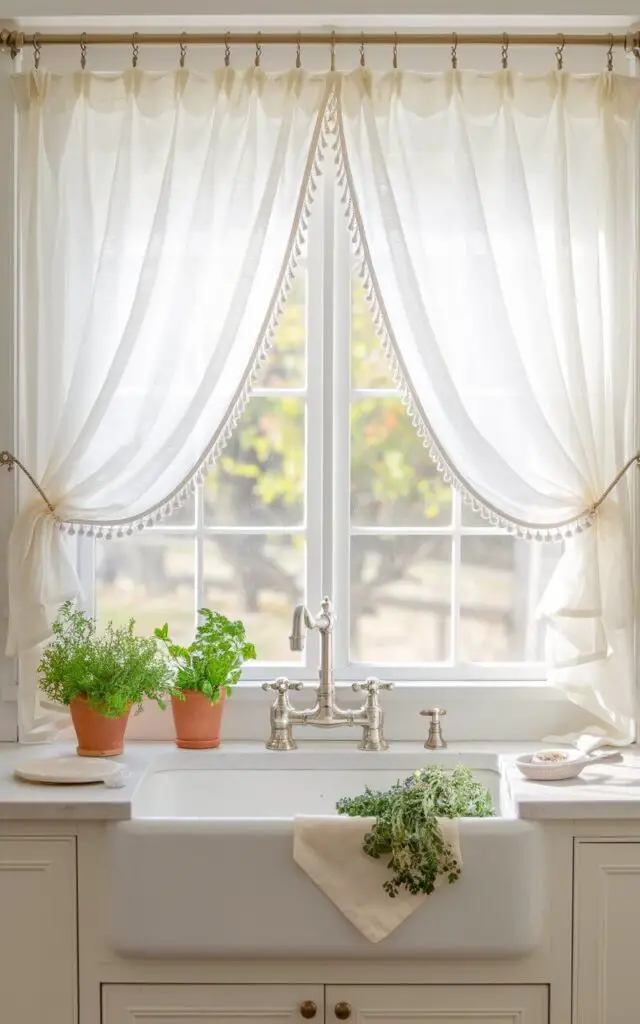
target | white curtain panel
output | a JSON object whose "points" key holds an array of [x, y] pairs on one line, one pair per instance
{"points": [[160, 222], [496, 217]]}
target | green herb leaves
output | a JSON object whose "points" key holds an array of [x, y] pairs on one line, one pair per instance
{"points": [[214, 660], [114, 670], [407, 824]]}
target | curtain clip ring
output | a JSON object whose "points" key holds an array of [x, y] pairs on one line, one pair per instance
{"points": [[395, 51], [37, 50], [610, 54], [333, 51], [454, 52], [227, 50], [135, 50], [560, 53], [504, 51], [256, 59], [363, 60], [183, 50], [83, 51], [298, 52]]}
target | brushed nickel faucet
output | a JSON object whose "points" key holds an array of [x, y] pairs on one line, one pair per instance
{"points": [[435, 739], [325, 713]]}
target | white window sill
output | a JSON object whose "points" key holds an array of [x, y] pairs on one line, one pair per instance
{"points": [[498, 711]]}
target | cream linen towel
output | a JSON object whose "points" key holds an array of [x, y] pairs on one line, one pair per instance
{"points": [[329, 849]]}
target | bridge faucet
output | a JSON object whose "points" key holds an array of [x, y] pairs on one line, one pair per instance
{"points": [[325, 713]]}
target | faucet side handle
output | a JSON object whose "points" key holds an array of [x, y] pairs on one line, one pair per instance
{"points": [[281, 685], [372, 685], [435, 739]]}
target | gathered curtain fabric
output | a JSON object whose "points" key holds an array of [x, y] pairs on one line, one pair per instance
{"points": [[160, 220], [496, 219]]}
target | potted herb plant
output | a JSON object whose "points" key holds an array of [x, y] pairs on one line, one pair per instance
{"points": [[101, 676], [204, 674]]}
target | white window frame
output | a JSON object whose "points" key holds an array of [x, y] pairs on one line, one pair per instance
{"points": [[327, 397], [492, 709]]}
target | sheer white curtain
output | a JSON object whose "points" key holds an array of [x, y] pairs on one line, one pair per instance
{"points": [[160, 220], [496, 216]]}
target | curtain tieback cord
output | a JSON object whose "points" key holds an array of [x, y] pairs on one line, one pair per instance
{"points": [[9, 461]]}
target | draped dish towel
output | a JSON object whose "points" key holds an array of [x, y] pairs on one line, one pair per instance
{"points": [[329, 849]]}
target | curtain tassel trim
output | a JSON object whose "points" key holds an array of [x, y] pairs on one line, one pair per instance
{"points": [[297, 239], [520, 528], [329, 131]]}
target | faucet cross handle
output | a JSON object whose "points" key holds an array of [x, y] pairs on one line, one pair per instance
{"points": [[435, 739], [281, 685], [371, 685]]}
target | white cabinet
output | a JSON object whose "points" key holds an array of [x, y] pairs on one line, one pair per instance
{"points": [[38, 930], [381, 1004], [438, 1004], [606, 922], [224, 1004]]}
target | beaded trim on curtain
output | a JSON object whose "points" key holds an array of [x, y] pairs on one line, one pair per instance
{"points": [[329, 131], [558, 531], [313, 170]]}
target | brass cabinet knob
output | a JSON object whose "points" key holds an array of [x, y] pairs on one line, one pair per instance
{"points": [[308, 1009], [342, 1011]]}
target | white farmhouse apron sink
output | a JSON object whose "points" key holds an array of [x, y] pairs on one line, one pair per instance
{"points": [[205, 867]]}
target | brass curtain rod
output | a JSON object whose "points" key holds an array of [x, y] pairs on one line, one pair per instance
{"points": [[14, 41]]}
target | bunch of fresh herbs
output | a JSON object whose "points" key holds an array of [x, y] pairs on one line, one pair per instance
{"points": [[114, 670], [213, 662], [407, 828]]}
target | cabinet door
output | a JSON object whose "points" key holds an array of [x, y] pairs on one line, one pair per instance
{"points": [[438, 1004], [605, 927], [38, 930], [224, 1004]]}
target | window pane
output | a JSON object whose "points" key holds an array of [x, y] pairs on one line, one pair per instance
{"points": [[183, 516], [471, 518], [368, 362], [149, 577], [400, 599], [393, 480], [259, 478], [286, 365], [501, 582], [258, 578]]}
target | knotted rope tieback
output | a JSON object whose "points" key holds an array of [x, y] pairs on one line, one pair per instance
{"points": [[9, 461]]}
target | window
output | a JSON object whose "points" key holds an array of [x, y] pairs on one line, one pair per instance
{"points": [[325, 488]]}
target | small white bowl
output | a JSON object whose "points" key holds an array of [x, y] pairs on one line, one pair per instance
{"points": [[555, 771]]}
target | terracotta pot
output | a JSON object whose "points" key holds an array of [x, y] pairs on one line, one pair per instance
{"points": [[97, 736], [197, 720]]}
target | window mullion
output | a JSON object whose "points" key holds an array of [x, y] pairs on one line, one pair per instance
{"points": [[340, 418], [456, 563], [199, 552], [316, 327]]}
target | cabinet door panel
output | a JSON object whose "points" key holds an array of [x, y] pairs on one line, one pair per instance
{"points": [[438, 1004], [38, 980], [606, 916], [209, 1004]]}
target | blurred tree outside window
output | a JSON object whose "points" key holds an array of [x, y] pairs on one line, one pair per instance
{"points": [[429, 583]]}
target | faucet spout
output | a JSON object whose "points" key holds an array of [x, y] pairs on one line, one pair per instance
{"points": [[300, 616], [325, 713]]}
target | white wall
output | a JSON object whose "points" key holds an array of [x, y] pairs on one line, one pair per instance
{"points": [[7, 480], [336, 12]]}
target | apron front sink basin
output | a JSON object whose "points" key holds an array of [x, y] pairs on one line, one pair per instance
{"points": [[205, 867]]}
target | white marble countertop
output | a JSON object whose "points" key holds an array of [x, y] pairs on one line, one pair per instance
{"points": [[20, 801], [603, 791]]}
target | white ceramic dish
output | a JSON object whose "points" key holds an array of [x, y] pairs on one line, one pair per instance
{"points": [[556, 771], [70, 771]]}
